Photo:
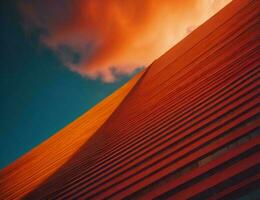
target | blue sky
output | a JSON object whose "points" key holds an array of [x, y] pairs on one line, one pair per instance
{"points": [[39, 95]]}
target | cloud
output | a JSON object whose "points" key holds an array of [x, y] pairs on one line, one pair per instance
{"points": [[104, 39]]}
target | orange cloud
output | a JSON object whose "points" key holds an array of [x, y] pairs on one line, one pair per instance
{"points": [[104, 39]]}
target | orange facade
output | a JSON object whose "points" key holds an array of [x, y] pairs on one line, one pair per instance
{"points": [[186, 128]]}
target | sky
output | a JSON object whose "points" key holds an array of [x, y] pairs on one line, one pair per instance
{"points": [[60, 58]]}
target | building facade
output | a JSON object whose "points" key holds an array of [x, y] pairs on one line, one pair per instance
{"points": [[187, 128]]}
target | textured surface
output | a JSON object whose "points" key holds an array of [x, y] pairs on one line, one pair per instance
{"points": [[187, 130]]}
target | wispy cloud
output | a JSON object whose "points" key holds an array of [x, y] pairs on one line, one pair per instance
{"points": [[103, 39]]}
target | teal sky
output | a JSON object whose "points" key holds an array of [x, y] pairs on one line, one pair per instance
{"points": [[39, 95]]}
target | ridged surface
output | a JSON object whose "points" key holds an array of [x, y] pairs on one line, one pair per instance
{"points": [[189, 129]]}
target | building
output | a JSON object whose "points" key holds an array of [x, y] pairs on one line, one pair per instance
{"points": [[185, 128]]}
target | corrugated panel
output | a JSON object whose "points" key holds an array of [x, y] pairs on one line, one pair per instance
{"points": [[187, 130]]}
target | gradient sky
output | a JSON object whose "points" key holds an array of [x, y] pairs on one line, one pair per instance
{"points": [[39, 95], [60, 58]]}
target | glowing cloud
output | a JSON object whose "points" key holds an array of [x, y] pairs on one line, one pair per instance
{"points": [[104, 39]]}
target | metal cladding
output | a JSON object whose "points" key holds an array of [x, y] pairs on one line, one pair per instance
{"points": [[186, 128]]}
